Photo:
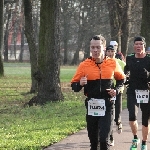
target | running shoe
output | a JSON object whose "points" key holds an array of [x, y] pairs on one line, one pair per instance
{"points": [[135, 142], [119, 127], [143, 147], [112, 142]]}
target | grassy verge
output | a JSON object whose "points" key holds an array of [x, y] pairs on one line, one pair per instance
{"points": [[37, 127], [32, 128]]}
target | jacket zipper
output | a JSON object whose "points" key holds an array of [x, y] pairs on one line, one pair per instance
{"points": [[100, 78]]}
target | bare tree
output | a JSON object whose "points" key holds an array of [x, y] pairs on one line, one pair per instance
{"points": [[145, 26], [89, 24], [1, 36], [6, 34], [29, 32], [120, 15], [49, 88], [22, 34]]}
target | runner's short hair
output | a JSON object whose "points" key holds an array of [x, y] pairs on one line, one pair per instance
{"points": [[99, 37], [140, 38], [110, 47]]}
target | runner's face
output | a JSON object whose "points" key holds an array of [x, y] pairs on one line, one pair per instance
{"points": [[115, 47], [110, 53], [96, 48], [139, 47]]}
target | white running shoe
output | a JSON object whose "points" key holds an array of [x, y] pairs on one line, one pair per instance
{"points": [[112, 142], [119, 127]]}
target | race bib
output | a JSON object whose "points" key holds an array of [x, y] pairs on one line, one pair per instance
{"points": [[96, 107], [142, 96]]}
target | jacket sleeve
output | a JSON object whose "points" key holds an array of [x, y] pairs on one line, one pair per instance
{"points": [[118, 73], [119, 77], [127, 71], [126, 68], [76, 87], [75, 82]]}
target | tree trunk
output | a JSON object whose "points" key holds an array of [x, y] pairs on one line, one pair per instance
{"points": [[75, 60], [119, 15], [114, 20], [22, 34], [14, 37], [22, 45], [1, 35], [49, 88], [29, 32], [126, 27], [66, 39], [6, 36], [80, 40], [66, 15], [145, 26]]}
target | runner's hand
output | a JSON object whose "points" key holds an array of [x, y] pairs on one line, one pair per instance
{"points": [[83, 80], [112, 92]]}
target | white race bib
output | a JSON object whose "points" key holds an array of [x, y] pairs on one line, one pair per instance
{"points": [[142, 96], [96, 107]]}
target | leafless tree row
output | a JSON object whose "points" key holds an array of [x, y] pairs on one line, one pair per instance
{"points": [[57, 33], [80, 19]]}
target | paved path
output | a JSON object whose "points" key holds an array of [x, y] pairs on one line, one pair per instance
{"points": [[80, 141]]}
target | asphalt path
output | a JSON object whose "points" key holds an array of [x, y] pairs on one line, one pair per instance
{"points": [[80, 141]]}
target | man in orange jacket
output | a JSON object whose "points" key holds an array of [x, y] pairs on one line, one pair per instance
{"points": [[96, 75]]}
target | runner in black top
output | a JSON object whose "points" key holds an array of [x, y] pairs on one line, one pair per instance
{"points": [[137, 69]]}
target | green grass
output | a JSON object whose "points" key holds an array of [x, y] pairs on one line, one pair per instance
{"points": [[17, 69], [66, 73], [124, 98], [32, 128], [23, 69], [124, 104], [37, 127]]}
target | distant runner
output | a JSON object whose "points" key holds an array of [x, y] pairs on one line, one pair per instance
{"points": [[111, 52]]}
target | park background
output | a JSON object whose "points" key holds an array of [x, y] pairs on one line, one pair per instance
{"points": [[41, 43]]}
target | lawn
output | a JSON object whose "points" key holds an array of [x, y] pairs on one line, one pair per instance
{"points": [[33, 128]]}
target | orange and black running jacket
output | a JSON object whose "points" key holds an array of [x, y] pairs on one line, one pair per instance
{"points": [[99, 77]]}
